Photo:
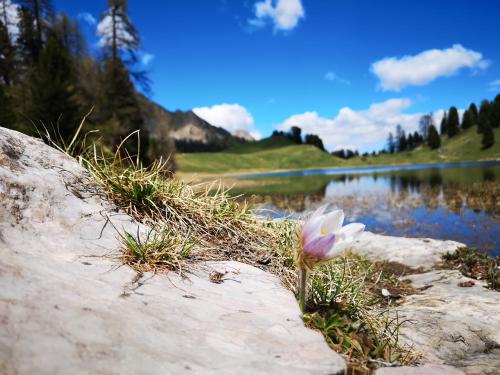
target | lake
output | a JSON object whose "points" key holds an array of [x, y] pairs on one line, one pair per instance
{"points": [[459, 201]]}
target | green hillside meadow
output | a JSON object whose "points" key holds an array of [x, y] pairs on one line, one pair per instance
{"points": [[272, 154]]}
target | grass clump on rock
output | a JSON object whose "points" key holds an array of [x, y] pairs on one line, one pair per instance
{"points": [[346, 304], [203, 218], [473, 264]]}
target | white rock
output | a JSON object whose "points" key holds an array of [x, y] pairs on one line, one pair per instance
{"points": [[413, 252], [66, 307], [454, 325], [420, 370]]}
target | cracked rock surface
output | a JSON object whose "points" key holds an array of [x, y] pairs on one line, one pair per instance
{"points": [[454, 325], [450, 325], [66, 307]]}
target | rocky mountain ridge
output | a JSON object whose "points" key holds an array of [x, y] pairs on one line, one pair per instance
{"points": [[187, 130]]}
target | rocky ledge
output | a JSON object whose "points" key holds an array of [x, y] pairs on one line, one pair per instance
{"points": [[67, 306]]}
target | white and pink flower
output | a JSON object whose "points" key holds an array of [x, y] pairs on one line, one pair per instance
{"points": [[322, 238]]}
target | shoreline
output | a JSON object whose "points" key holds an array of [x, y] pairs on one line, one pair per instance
{"points": [[242, 174]]}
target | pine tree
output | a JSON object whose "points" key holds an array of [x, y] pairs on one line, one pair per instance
{"points": [[424, 123], [444, 124], [391, 144], [495, 112], [7, 57], [41, 11], [68, 32], [120, 108], [433, 139], [467, 120], [52, 90], [484, 116], [452, 125], [117, 31], [488, 136], [120, 41], [26, 40], [9, 17], [296, 134], [313, 139], [34, 26], [7, 118], [401, 139], [473, 113]]}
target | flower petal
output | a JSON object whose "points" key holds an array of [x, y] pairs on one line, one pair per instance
{"points": [[312, 227], [320, 246], [350, 231], [338, 248], [311, 230], [332, 222], [319, 211]]}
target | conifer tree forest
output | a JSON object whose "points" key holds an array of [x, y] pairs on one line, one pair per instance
{"points": [[49, 80], [485, 120]]}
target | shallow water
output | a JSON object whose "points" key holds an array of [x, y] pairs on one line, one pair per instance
{"points": [[447, 201]]}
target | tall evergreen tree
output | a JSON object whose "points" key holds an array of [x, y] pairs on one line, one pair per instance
{"points": [[484, 116], [391, 144], [7, 57], [313, 139], [7, 117], [296, 134], [444, 124], [433, 139], [488, 136], [401, 140], [495, 112], [120, 41], [68, 32], [467, 120], [53, 90], [9, 17], [424, 123], [117, 32], [473, 113], [26, 40], [41, 11], [34, 22], [452, 125]]}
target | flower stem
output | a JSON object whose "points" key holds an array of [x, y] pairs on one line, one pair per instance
{"points": [[302, 287]]}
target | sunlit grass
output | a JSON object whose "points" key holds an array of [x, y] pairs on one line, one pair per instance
{"points": [[347, 306]]}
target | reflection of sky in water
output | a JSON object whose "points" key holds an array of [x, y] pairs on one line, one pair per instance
{"points": [[359, 185], [458, 204]]}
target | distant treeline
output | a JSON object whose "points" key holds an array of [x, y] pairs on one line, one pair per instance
{"points": [[484, 119], [295, 135], [49, 80]]}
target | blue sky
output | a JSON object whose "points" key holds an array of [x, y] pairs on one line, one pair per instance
{"points": [[346, 70]]}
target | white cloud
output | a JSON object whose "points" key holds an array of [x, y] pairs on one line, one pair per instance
{"points": [[256, 135], [87, 17], [231, 117], [284, 14], [332, 76], [147, 58], [9, 9], [357, 129], [105, 32], [494, 85], [395, 73]]}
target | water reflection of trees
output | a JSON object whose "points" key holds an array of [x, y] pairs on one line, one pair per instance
{"points": [[407, 190]]}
